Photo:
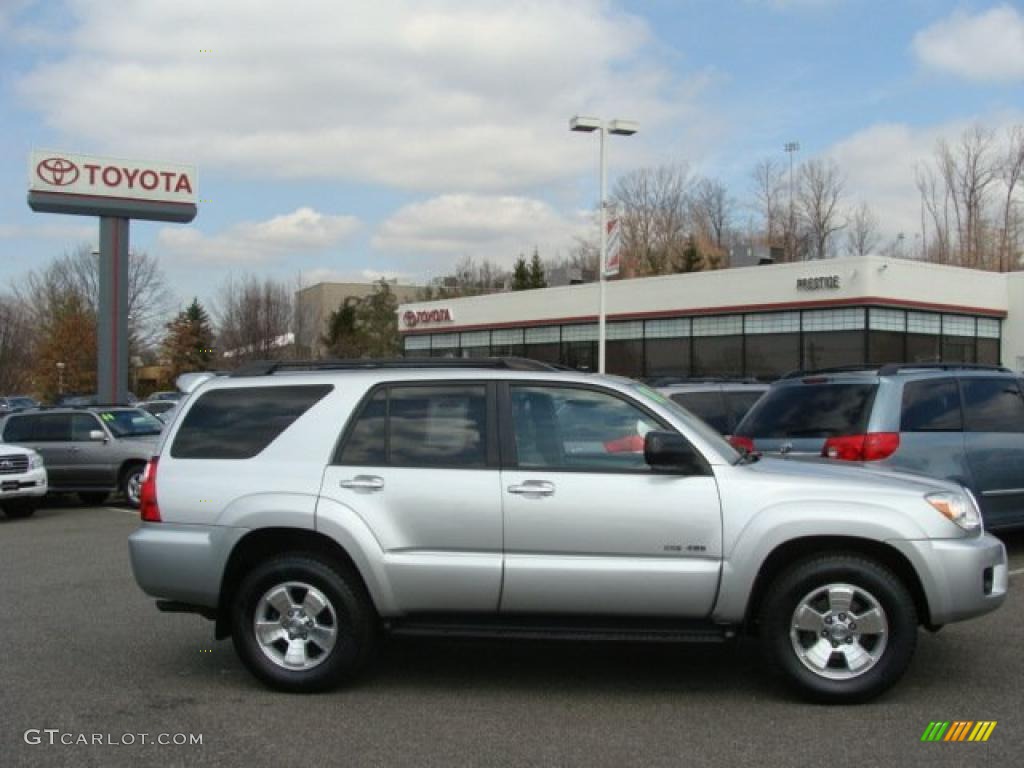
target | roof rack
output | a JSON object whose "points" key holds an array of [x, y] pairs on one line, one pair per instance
{"points": [[268, 367], [890, 368]]}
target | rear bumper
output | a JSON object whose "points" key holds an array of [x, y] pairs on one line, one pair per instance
{"points": [[31, 483], [182, 563], [962, 578]]}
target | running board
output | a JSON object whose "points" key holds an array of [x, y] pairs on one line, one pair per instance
{"points": [[554, 629]]}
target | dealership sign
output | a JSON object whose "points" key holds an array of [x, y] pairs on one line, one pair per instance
{"points": [[413, 318], [63, 182], [828, 283]]}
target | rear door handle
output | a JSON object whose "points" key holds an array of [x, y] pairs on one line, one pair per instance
{"points": [[533, 488], [363, 483]]}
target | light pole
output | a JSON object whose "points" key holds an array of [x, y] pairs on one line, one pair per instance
{"points": [[791, 147], [616, 128], [60, 378]]}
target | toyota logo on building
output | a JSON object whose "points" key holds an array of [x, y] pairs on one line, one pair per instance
{"points": [[410, 318], [57, 171]]}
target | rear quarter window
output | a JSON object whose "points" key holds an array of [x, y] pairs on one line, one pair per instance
{"points": [[239, 422], [810, 410], [708, 406], [931, 405]]}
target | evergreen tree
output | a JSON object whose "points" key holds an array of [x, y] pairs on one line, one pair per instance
{"points": [[377, 322], [521, 275], [342, 334], [188, 345], [537, 278]]}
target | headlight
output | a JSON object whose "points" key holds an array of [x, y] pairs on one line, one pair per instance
{"points": [[35, 461], [958, 507]]}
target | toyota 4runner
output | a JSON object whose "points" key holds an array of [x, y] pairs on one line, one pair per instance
{"points": [[307, 508]]}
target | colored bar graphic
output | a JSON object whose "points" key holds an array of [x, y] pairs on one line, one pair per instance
{"points": [[958, 730]]}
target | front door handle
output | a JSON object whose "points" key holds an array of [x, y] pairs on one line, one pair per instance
{"points": [[363, 483], [533, 488]]}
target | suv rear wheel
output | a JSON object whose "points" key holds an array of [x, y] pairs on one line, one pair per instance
{"points": [[301, 624], [842, 628], [131, 483]]}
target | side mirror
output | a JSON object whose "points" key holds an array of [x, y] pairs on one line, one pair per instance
{"points": [[671, 452], [98, 435]]}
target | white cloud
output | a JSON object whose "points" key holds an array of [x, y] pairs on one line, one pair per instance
{"points": [[988, 46], [303, 230], [328, 275], [494, 227], [423, 94]]}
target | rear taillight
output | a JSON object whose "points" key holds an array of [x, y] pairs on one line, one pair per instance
{"points": [[873, 446], [741, 443], [148, 508]]}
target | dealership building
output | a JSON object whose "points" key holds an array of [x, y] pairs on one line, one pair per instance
{"points": [[760, 321]]}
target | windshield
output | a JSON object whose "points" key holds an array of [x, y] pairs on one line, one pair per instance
{"points": [[810, 411], [132, 422], [707, 433]]}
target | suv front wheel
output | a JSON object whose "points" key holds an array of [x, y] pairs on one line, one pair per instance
{"points": [[301, 624], [841, 628]]}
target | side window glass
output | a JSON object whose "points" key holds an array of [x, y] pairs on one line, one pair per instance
{"points": [[53, 428], [366, 443], [81, 425], [708, 406], [570, 428], [20, 429], [438, 426], [931, 405], [993, 405], [741, 402]]}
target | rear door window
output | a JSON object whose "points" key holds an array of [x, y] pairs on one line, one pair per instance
{"points": [[931, 405], [810, 410], [239, 422], [20, 429], [739, 402], [708, 406], [993, 405]]}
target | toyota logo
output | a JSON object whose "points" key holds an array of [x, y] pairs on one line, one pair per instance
{"points": [[410, 318], [57, 171]]}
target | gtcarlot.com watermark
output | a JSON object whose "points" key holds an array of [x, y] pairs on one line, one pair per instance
{"points": [[57, 737]]}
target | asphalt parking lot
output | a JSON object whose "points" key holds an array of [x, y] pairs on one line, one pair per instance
{"points": [[85, 652]]}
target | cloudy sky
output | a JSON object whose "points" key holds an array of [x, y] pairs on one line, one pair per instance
{"points": [[348, 139]]}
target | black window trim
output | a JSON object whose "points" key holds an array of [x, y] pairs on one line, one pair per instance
{"points": [[492, 462], [510, 460]]}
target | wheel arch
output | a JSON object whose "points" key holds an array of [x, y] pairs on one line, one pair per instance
{"points": [[794, 550], [258, 545]]}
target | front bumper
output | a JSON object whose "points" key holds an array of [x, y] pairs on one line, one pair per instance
{"points": [[962, 578], [182, 563], [31, 483]]}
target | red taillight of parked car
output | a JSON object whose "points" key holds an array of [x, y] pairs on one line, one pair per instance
{"points": [[148, 508], [741, 443], [873, 446]]}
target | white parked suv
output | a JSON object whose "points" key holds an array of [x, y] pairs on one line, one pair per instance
{"points": [[307, 508], [22, 480]]}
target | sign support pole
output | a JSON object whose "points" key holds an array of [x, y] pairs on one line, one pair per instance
{"points": [[112, 314]]}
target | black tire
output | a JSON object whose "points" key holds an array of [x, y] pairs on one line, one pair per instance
{"points": [[355, 625], [130, 483], [789, 590], [93, 498], [18, 509]]}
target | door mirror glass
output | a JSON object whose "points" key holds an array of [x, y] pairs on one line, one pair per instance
{"points": [[671, 452], [97, 434]]}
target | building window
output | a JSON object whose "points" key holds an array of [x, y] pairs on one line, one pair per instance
{"points": [[625, 357], [726, 325], [476, 339], [886, 347], [833, 320], [545, 353], [667, 329], [667, 357], [771, 355], [586, 332], [633, 329], [507, 342], [774, 323], [832, 349], [988, 328], [988, 351], [417, 343], [924, 323], [887, 320], [581, 355], [543, 335], [718, 356]]}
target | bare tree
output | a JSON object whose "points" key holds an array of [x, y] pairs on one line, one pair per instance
{"points": [[769, 188], [653, 210], [712, 210], [862, 235], [819, 192], [1011, 174], [968, 170], [254, 319], [15, 345]]}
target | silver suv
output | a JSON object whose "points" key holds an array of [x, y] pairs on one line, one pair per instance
{"points": [[309, 509], [957, 422]]}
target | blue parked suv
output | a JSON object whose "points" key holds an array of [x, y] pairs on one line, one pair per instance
{"points": [[951, 421]]}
